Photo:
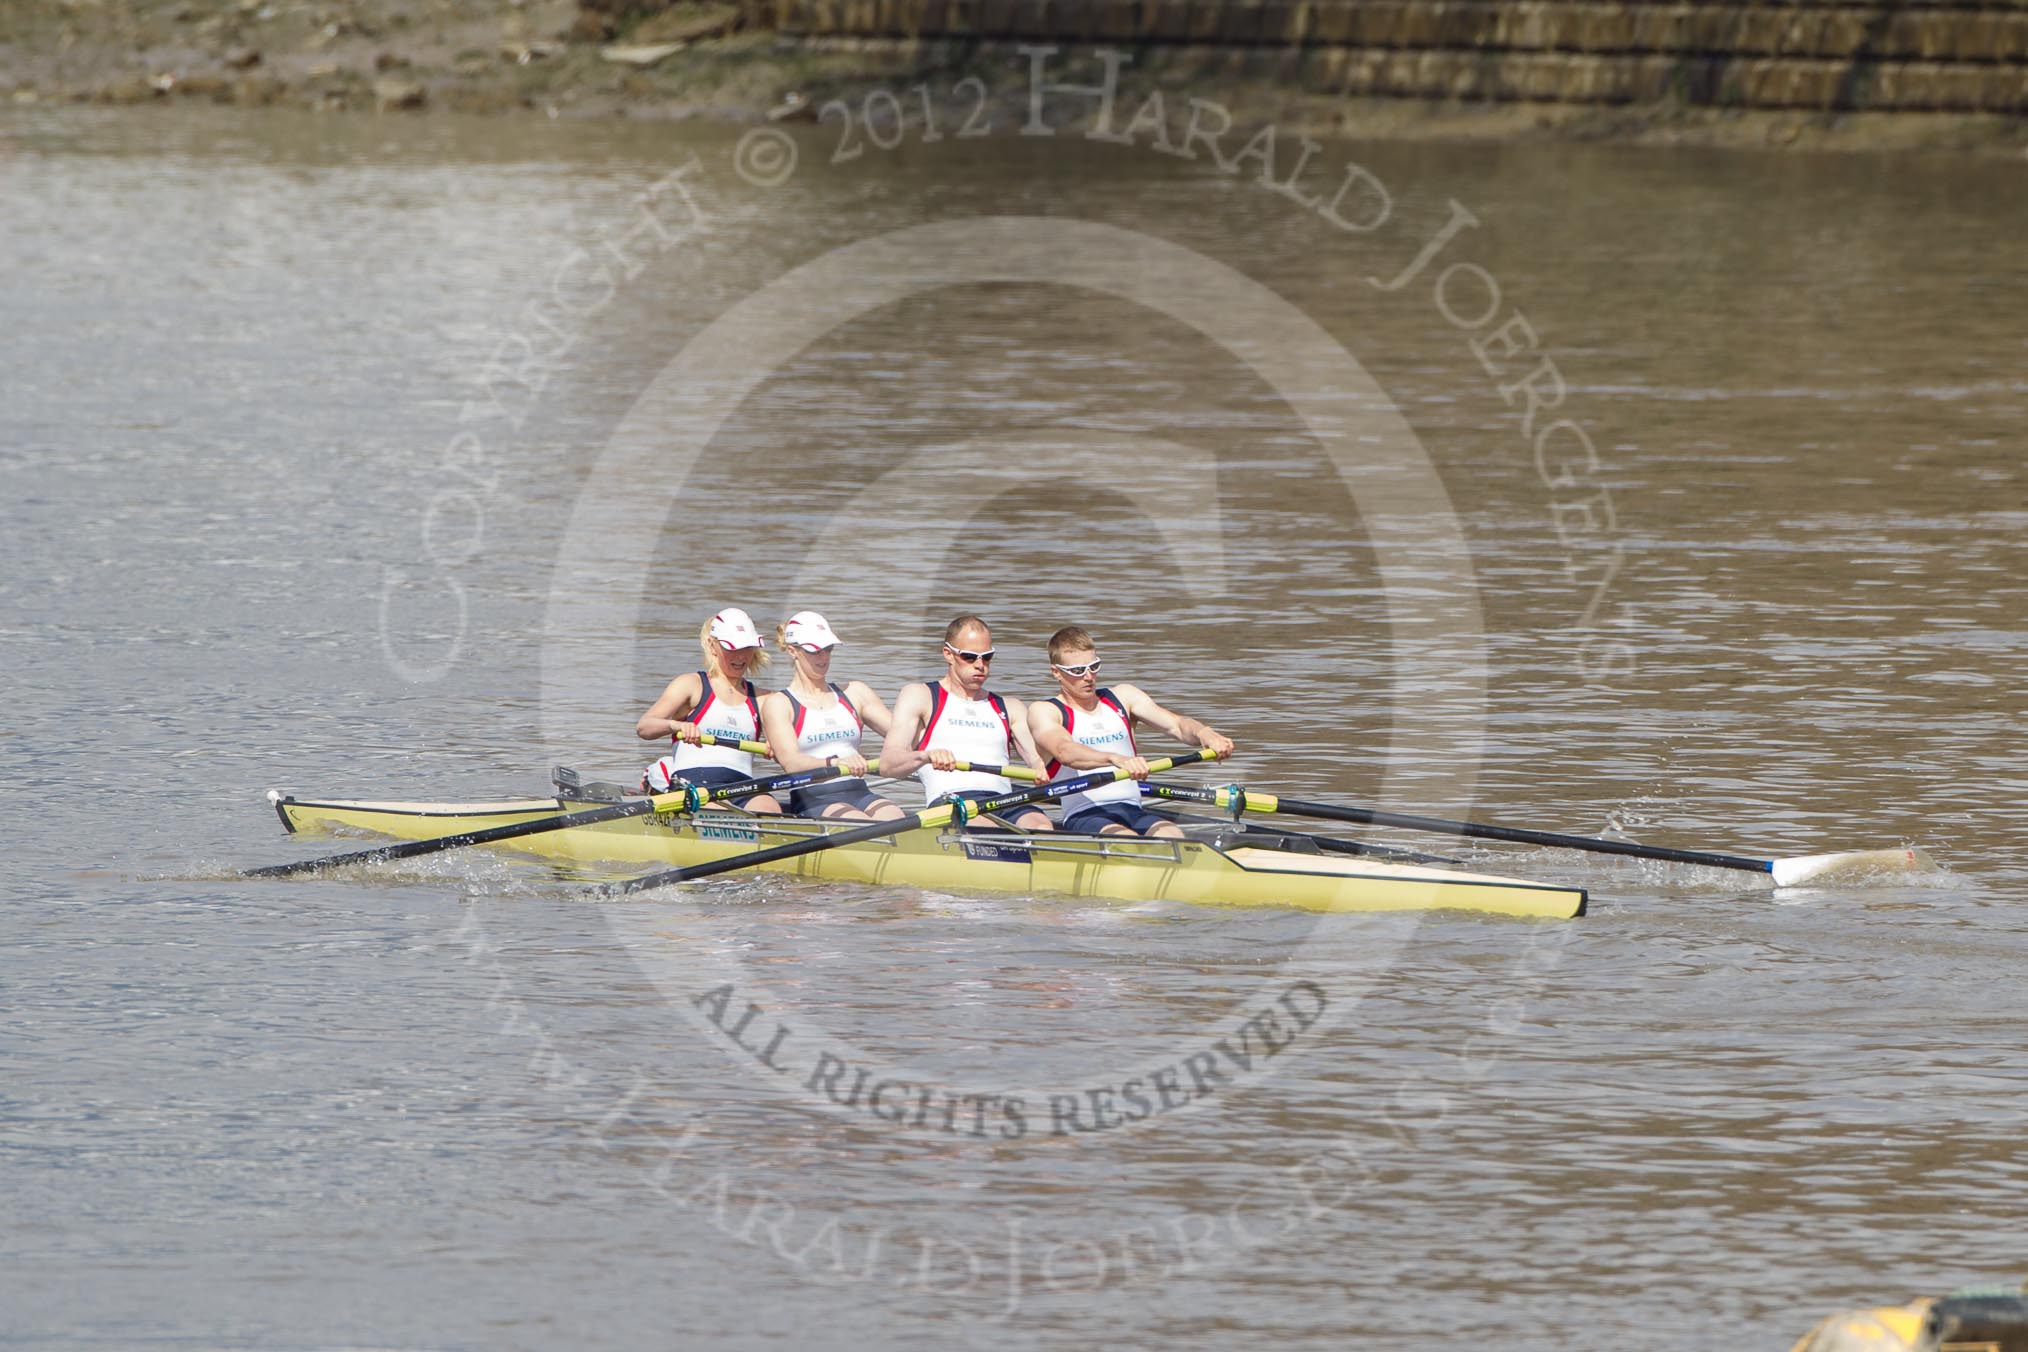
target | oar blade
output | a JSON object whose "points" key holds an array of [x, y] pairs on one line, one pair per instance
{"points": [[1851, 866]]}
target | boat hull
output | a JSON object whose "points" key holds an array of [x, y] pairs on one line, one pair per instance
{"points": [[1225, 872]]}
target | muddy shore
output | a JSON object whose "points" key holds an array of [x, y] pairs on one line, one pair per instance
{"points": [[551, 58]]}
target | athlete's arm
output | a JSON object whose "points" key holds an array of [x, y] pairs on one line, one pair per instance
{"points": [[1019, 719], [778, 726], [665, 716], [872, 711], [1053, 740], [1139, 706], [898, 756]]}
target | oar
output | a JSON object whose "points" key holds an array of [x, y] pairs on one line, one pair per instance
{"points": [[1325, 843], [685, 799], [689, 798], [757, 748], [962, 809], [1331, 846], [1020, 772], [1786, 872]]}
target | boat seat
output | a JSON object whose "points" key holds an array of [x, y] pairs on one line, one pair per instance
{"points": [[572, 787]]}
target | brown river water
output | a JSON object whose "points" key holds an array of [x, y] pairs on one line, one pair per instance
{"points": [[1675, 496]]}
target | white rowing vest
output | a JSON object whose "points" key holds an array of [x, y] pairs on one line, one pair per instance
{"points": [[975, 730], [824, 733], [725, 720], [1105, 728]]}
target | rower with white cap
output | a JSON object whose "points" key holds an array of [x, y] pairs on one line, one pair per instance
{"points": [[718, 701], [817, 722]]}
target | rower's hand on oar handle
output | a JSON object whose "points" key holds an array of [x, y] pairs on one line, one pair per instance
{"points": [[850, 763], [685, 732], [941, 759], [1216, 742], [1133, 767]]}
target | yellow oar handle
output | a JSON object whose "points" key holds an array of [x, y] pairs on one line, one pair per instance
{"points": [[927, 817], [966, 810], [680, 799], [1020, 772], [1251, 799], [756, 748]]}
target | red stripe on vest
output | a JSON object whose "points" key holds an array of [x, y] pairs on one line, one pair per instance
{"points": [[702, 705], [697, 714], [837, 690], [1126, 719], [939, 697], [1070, 724]]}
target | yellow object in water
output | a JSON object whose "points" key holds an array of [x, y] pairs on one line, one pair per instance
{"points": [[1975, 1319], [1889, 1328]]}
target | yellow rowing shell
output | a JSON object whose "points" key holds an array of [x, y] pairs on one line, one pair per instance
{"points": [[1219, 866]]}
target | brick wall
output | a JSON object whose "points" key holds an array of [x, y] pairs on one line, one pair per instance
{"points": [[1804, 54]]}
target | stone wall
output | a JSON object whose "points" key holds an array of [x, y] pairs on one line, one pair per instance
{"points": [[1834, 55]]}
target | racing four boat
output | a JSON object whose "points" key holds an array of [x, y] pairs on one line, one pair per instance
{"points": [[1217, 863]]}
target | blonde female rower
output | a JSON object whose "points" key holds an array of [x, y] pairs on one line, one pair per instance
{"points": [[817, 722], [718, 701]]}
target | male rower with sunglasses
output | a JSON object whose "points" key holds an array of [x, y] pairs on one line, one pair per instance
{"points": [[1089, 727], [937, 724]]}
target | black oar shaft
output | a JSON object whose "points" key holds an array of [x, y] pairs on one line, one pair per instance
{"points": [[1512, 834], [670, 802], [1180, 794], [755, 858], [409, 849], [674, 801]]}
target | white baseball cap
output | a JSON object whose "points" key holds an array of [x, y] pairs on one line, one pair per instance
{"points": [[807, 629], [733, 628]]}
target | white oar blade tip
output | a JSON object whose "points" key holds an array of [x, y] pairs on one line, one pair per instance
{"points": [[1851, 866]]}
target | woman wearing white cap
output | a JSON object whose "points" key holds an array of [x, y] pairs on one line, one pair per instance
{"points": [[817, 722], [718, 701]]}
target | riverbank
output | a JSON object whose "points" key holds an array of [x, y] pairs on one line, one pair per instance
{"points": [[551, 58]]}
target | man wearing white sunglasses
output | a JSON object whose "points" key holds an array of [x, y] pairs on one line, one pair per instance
{"points": [[955, 718], [1089, 727]]}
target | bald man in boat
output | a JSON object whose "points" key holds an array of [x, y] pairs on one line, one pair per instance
{"points": [[937, 724], [1087, 727]]}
